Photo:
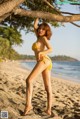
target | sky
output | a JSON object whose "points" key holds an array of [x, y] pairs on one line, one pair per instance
{"points": [[65, 40]]}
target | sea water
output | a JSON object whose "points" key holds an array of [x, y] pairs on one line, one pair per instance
{"points": [[63, 69]]}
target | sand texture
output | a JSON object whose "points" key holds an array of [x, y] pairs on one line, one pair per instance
{"points": [[66, 95]]}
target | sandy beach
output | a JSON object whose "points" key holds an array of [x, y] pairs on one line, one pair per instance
{"points": [[66, 94]]}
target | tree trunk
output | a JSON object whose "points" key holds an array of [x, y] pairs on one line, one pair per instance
{"points": [[8, 6], [47, 15]]}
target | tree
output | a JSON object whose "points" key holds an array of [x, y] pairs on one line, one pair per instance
{"points": [[4, 46], [11, 34], [9, 37], [19, 14], [26, 10]]}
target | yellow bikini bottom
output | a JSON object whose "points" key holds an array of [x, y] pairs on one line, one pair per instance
{"points": [[50, 65]]}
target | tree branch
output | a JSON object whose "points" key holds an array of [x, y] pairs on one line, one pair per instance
{"points": [[52, 6], [61, 11], [48, 4], [68, 13], [57, 9], [8, 6], [4, 17], [46, 15], [75, 24]]}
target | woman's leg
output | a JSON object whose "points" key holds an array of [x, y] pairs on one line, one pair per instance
{"points": [[40, 66], [47, 83]]}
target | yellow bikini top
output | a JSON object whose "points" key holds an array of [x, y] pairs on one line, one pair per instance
{"points": [[35, 46]]}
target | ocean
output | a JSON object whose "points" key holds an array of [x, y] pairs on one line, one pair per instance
{"points": [[63, 69]]}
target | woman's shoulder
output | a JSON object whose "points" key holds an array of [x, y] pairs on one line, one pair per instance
{"points": [[44, 39]]}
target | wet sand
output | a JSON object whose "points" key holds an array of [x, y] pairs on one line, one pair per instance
{"points": [[66, 95]]}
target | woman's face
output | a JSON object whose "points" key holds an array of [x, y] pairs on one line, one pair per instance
{"points": [[41, 31]]}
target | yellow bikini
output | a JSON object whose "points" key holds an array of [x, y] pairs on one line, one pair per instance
{"points": [[35, 48]]}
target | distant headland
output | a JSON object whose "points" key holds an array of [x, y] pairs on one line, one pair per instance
{"points": [[63, 58], [54, 58]]}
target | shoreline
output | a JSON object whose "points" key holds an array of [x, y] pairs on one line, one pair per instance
{"points": [[53, 75], [65, 77], [65, 94]]}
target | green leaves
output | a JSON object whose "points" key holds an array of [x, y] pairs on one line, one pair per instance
{"points": [[8, 37], [11, 34], [4, 46]]}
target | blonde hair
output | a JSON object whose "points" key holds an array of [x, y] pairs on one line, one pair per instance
{"points": [[47, 29]]}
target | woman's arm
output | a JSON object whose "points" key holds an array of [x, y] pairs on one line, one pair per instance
{"points": [[48, 50], [36, 25], [47, 44]]}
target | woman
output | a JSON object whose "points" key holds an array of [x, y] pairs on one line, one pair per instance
{"points": [[43, 65]]}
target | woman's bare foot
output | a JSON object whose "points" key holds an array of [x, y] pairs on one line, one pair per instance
{"points": [[27, 109], [48, 112]]}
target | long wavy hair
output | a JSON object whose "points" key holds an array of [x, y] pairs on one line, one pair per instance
{"points": [[46, 28]]}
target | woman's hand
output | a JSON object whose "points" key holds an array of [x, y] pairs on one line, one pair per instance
{"points": [[41, 55]]}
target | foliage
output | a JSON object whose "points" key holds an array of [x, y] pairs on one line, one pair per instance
{"points": [[4, 46], [13, 55], [9, 37], [22, 22], [9, 29], [63, 58], [11, 34], [27, 57], [55, 58]]}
